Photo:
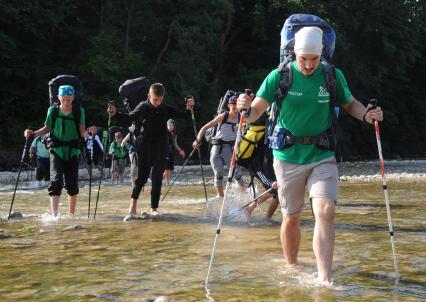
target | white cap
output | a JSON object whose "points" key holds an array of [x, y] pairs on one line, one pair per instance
{"points": [[308, 41]]}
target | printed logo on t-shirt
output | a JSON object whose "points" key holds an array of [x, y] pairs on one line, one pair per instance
{"points": [[293, 93], [323, 92]]}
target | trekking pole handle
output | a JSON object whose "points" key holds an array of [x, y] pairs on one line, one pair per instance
{"points": [[373, 102], [246, 112], [27, 140]]}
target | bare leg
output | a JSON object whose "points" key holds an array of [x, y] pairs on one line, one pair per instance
{"points": [[54, 205], [272, 207], [114, 176], [72, 202], [324, 233], [132, 208], [290, 237], [167, 174], [253, 205], [219, 191]]}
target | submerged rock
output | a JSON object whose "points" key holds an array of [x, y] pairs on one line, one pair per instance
{"points": [[4, 234], [15, 215], [73, 228]]}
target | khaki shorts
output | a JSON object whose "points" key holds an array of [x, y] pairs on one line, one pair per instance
{"points": [[118, 165], [320, 178]]}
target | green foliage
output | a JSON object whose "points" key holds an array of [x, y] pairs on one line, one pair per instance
{"points": [[204, 48]]}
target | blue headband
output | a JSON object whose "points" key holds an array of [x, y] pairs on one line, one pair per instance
{"points": [[66, 90]]}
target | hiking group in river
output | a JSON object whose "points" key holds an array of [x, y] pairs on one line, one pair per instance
{"points": [[285, 135]]}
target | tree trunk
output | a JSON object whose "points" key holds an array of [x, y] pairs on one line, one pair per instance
{"points": [[129, 11], [166, 45]]}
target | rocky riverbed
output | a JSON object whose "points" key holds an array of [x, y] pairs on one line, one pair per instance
{"points": [[401, 170]]}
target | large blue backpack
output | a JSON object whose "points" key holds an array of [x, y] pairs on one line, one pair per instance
{"points": [[291, 26]]}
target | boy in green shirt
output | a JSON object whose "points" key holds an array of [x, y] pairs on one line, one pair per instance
{"points": [[305, 112], [65, 149], [118, 151]]}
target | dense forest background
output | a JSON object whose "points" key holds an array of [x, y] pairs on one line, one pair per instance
{"points": [[204, 48]]}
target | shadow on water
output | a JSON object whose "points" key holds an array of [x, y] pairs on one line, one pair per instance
{"points": [[401, 285], [375, 228], [371, 205]]}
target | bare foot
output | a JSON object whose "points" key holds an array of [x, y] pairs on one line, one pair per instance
{"points": [[247, 214], [154, 212]]}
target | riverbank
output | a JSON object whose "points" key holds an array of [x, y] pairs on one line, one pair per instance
{"points": [[367, 171]]}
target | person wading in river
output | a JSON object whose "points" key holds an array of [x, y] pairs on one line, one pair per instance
{"points": [[151, 144], [305, 113], [64, 149]]}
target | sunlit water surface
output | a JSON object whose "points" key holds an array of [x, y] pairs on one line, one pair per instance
{"points": [[81, 259]]}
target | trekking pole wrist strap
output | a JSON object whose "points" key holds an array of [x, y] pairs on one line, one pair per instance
{"points": [[365, 114], [247, 113]]}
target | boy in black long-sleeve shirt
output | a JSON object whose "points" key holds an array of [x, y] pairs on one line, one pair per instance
{"points": [[151, 118]]}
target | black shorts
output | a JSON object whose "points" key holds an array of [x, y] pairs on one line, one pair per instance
{"points": [[63, 173], [170, 162]]}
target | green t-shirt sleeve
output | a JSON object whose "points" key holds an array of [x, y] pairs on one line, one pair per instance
{"points": [[269, 86], [343, 94]]}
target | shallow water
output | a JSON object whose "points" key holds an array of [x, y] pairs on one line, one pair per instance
{"points": [[80, 259]]}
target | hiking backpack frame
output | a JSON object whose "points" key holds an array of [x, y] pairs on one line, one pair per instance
{"points": [[222, 107], [54, 85]]}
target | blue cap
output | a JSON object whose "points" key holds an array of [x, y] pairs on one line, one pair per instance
{"points": [[233, 99], [66, 90]]}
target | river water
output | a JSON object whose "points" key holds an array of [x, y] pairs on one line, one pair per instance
{"points": [[105, 259]]}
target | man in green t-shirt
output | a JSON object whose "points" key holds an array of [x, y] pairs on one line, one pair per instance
{"points": [[305, 112], [65, 150]]}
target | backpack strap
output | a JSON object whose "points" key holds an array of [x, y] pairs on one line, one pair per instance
{"points": [[76, 113], [225, 119], [331, 85], [286, 77]]}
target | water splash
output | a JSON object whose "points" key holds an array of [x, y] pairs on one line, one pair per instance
{"points": [[47, 218]]}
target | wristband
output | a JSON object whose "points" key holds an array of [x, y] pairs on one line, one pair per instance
{"points": [[198, 142]]}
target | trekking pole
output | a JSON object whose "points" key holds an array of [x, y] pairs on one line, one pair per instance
{"points": [[103, 162], [177, 175], [199, 154], [228, 185], [90, 173], [27, 141], [254, 200], [385, 189]]}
